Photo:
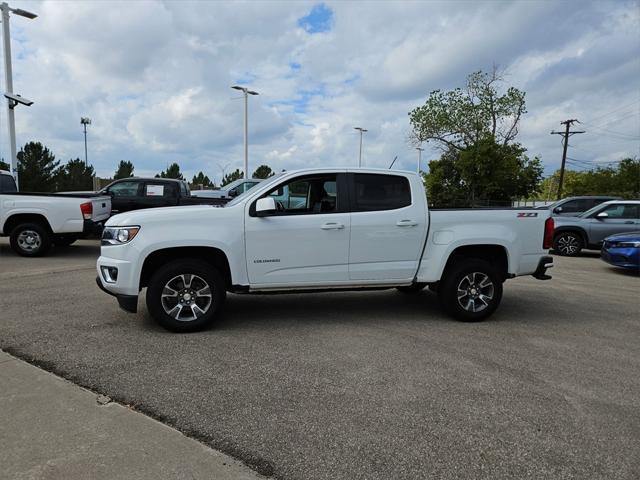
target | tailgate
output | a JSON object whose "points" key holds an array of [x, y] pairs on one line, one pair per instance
{"points": [[101, 208]]}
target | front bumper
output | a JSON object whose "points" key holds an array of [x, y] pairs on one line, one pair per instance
{"points": [[128, 303], [543, 264], [625, 257]]}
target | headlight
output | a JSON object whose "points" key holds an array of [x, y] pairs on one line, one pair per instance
{"points": [[118, 235], [627, 245]]}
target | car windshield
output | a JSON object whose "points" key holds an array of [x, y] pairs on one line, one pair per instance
{"points": [[592, 210], [240, 197]]}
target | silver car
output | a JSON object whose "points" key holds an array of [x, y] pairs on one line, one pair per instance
{"points": [[589, 229]]}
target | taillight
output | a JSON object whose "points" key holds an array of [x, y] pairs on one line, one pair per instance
{"points": [[87, 210], [549, 226]]}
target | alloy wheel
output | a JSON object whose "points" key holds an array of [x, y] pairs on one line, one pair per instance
{"points": [[475, 292], [186, 297], [568, 244]]}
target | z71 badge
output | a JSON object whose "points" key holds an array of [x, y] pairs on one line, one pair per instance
{"points": [[527, 214]]}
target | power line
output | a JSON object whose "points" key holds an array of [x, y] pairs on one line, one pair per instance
{"points": [[565, 143], [613, 111]]}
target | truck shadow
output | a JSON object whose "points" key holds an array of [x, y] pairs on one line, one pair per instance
{"points": [[253, 312]]}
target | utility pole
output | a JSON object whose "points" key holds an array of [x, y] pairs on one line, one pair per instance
{"points": [[246, 93], [420, 150], [362, 130], [565, 143]]}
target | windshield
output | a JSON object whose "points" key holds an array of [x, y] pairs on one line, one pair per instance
{"points": [[592, 210], [268, 181]]}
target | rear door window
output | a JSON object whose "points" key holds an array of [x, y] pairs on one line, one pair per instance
{"points": [[7, 185], [380, 192]]}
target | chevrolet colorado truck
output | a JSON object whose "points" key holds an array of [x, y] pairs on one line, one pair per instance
{"points": [[35, 221], [334, 229]]}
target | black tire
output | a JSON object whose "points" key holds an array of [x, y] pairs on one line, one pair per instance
{"points": [[30, 239], [62, 241], [568, 244], [187, 278], [485, 288], [412, 289]]}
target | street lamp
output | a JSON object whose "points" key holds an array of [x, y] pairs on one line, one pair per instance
{"points": [[362, 130], [84, 121], [246, 93], [420, 150], [12, 99]]}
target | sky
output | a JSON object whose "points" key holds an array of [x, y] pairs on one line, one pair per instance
{"points": [[155, 78]]}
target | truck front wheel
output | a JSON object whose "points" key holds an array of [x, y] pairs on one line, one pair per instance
{"points": [[471, 290], [185, 295], [30, 239]]}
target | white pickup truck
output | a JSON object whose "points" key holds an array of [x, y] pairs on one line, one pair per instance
{"points": [[35, 221], [354, 229]]}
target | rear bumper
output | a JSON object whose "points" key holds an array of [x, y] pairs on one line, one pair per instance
{"points": [[89, 227], [541, 272], [128, 303]]}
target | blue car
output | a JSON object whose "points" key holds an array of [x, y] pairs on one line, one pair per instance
{"points": [[622, 250]]}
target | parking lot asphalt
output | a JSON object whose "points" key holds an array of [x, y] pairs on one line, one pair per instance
{"points": [[374, 385]]}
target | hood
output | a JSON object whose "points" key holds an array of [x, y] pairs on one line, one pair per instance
{"points": [[624, 237], [163, 214], [564, 220]]}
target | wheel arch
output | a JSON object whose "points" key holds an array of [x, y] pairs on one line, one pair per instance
{"points": [[17, 218], [495, 254], [211, 255]]}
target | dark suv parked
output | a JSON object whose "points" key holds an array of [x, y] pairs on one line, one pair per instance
{"points": [[574, 206]]}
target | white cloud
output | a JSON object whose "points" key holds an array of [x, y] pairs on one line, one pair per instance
{"points": [[155, 77]]}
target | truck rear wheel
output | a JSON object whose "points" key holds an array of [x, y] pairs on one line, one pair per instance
{"points": [[471, 290], [30, 239], [185, 295]]}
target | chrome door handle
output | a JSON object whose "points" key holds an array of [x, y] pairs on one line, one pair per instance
{"points": [[332, 226], [406, 223]]}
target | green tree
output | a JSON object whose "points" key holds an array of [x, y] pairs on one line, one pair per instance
{"points": [[460, 118], [75, 175], [172, 171], [125, 170], [232, 177], [621, 179], [485, 174], [4, 165], [37, 168], [201, 179], [263, 171]]}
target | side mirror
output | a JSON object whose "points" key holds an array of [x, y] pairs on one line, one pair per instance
{"points": [[602, 215], [557, 210], [233, 193], [265, 206]]}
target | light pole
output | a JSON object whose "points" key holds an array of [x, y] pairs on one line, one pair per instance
{"points": [[84, 121], [12, 99], [362, 130], [420, 150], [246, 93]]}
